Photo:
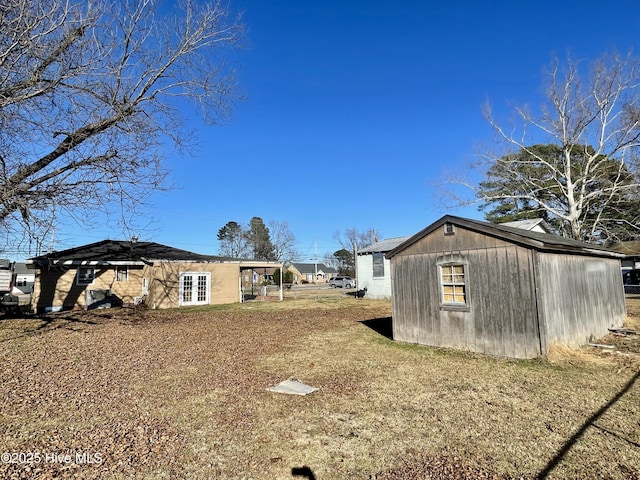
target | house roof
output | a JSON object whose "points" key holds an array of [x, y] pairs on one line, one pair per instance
{"points": [[529, 224], [121, 252], [305, 268], [631, 248], [535, 240], [21, 268], [383, 246]]}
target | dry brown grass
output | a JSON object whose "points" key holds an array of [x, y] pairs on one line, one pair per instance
{"points": [[182, 394]]}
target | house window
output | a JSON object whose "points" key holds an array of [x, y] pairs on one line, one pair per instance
{"points": [[378, 265], [85, 276], [453, 285], [122, 274], [195, 288]]}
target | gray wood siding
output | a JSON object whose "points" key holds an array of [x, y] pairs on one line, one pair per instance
{"points": [[502, 318], [580, 297]]}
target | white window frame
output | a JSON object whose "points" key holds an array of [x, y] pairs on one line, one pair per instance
{"points": [[120, 270], [196, 299], [84, 279], [447, 269], [380, 265]]}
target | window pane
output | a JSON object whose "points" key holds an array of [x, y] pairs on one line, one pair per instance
{"points": [[85, 276], [378, 265], [453, 284], [446, 275], [187, 288], [202, 288]]}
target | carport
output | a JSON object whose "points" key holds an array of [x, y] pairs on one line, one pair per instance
{"points": [[253, 275]]}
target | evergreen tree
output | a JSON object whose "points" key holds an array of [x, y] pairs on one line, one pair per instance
{"points": [[260, 240], [579, 193], [233, 240]]}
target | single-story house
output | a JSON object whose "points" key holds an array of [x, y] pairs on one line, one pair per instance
{"points": [[502, 291], [132, 272], [311, 272], [373, 270]]}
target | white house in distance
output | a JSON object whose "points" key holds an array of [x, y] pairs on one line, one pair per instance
{"points": [[532, 225], [373, 270]]}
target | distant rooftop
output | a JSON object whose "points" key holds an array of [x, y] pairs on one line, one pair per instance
{"points": [[383, 245], [531, 224]]}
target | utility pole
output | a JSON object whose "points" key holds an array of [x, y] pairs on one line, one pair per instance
{"points": [[315, 260]]}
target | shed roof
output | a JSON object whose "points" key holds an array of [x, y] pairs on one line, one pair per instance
{"points": [[535, 240], [121, 252], [383, 246]]}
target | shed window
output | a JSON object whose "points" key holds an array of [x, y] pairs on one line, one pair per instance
{"points": [[449, 229], [85, 276], [378, 265], [453, 284]]}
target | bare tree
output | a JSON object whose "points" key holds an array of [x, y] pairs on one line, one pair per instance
{"points": [[283, 241], [353, 240], [89, 93], [592, 119]]}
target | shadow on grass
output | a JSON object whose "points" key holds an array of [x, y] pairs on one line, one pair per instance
{"points": [[305, 472], [47, 324], [553, 463], [381, 326]]}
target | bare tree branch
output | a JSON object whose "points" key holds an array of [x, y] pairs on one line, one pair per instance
{"points": [[87, 99], [576, 162]]}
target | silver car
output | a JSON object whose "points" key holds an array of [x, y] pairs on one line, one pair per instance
{"points": [[342, 282]]}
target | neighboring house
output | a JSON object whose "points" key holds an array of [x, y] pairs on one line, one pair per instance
{"points": [[373, 270], [502, 291], [533, 225], [630, 265], [631, 251], [311, 272], [127, 272]]}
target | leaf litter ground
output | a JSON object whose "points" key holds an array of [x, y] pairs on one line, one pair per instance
{"points": [[182, 394]]}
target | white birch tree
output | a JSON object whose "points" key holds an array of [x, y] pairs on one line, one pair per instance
{"points": [[592, 118]]}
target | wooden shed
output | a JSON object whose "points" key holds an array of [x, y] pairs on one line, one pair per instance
{"points": [[501, 290]]}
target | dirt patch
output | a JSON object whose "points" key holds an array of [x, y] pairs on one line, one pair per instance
{"points": [[126, 393]]}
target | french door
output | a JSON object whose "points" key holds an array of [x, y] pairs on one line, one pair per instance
{"points": [[195, 288]]}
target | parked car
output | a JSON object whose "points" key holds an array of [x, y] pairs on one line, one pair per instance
{"points": [[342, 282]]}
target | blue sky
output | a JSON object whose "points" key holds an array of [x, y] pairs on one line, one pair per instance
{"points": [[355, 109]]}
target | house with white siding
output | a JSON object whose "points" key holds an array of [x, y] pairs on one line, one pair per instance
{"points": [[373, 269]]}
